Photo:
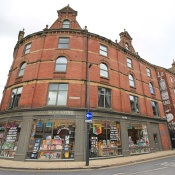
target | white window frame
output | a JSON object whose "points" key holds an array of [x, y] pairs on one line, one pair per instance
{"points": [[103, 50], [129, 62], [103, 70], [57, 94], [27, 48], [131, 80], [63, 43], [66, 24], [148, 72], [61, 64]]}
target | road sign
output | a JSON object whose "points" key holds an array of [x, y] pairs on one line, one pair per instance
{"points": [[88, 117]]}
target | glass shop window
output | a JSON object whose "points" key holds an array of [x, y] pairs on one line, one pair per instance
{"points": [[105, 139], [52, 139], [9, 135]]}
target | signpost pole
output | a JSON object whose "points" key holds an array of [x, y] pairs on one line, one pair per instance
{"points": [[88, 117]]}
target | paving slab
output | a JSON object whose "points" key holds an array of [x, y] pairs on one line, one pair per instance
{"points": [[93, 164]]}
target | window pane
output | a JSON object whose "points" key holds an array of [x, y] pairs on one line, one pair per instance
{"points": [[103, 53], [66, 24], [63, 43], [61, 64], [103, 50], [129, 63], [64, 40], [62, 98], [21, 73], [103, 70], [27, 51], [151, 88], [127, 46], [61, 60], [103, 73], [53, 87], [22, 68], [61, 68], [155, 108], [57, 94], [134, 103], [103, 66], [14, 91], [101, 101], [19, 90], [63, 86], [104, 98], [107, 101], [131, 81], [148, 72], [131, 98], [27, 48], [63, 46], [52, 98]]}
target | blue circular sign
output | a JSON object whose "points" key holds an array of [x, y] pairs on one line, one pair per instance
{"points": [[88, 115]]}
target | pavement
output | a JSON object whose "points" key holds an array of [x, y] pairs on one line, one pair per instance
{"points": [[93, 164]]}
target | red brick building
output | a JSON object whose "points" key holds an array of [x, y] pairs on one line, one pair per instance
{"points": [[53, 74], [167, 90]]}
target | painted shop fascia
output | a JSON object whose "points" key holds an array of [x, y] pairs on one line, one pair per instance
{"points": [[125, 122]]}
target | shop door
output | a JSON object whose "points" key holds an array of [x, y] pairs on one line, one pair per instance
{"points": [[156, 142]]}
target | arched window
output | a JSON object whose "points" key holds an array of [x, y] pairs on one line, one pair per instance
{"points": [[131, 80], [103, 70], [66, 24], [61, 64], [22, 69], [151, 88]]}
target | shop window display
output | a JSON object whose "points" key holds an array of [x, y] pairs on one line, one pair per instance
{"points": [[52, 139], [138, 138], [9, 135], [105, 139]]}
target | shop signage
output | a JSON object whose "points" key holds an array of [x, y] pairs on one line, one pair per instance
{"points": [[114, 133], [74, 98], [97, 129], [166, 102], [123, 117], [165, 95]]}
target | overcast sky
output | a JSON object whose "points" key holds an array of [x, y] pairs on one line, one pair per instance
{"points": [[151, 24]]}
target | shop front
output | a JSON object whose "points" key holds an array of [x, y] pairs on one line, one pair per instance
{"points": [[52, 139], [9, 136], [61, 135], [138, 138], [105, 140]]}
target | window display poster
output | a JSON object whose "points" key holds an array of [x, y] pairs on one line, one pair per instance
{"points": [[49, 124], [114, 135], [97, 129]]}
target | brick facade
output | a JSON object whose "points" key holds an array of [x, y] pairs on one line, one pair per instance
{"points": [[40, 72]]}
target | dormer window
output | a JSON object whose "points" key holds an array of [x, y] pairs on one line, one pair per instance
{"points": [[66, 24], [127, 46]]}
